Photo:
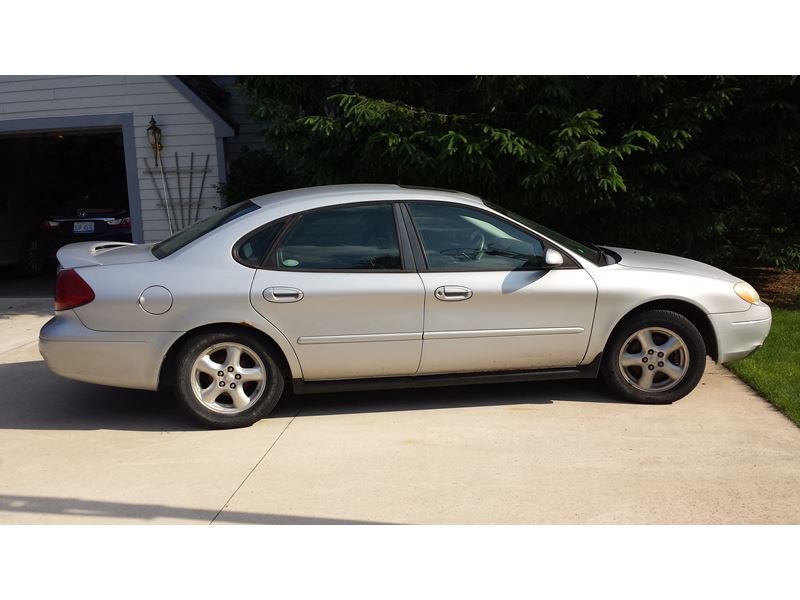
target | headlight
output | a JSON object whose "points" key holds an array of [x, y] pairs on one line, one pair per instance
{"points": [[746, 292]]}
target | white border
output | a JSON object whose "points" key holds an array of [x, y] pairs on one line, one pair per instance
{"points": [[399, 562], [412, 36]]}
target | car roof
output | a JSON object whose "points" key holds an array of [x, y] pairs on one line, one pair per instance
{"points": [[362, 192]]}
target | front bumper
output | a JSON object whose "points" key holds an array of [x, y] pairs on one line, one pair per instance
{"points": [[121, 359], [739, 334]]}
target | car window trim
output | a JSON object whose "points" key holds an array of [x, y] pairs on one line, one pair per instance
{"points": [[246, 237], [407, 254], [406, 260], [413, 236], [568, 264]]}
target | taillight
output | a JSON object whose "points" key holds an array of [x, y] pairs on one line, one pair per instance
{"points": [[123, 222], [71, 290], [49, 225]]}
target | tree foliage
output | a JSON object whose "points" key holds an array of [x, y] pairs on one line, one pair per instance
{"points": [[707, 167]]}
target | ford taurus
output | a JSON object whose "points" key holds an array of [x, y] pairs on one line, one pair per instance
{"points": [[378, 286]]}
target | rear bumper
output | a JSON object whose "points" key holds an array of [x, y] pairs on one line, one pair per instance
{"points": [[121, 359], [739, 334]]}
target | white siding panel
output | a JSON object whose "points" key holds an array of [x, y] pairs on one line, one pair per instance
{"points": [[185, 129]]}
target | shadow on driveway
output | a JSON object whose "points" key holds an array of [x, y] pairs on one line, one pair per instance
{"points": [[72, 507], [33, 307], [13, 285], [35, 398], [477, 395]]}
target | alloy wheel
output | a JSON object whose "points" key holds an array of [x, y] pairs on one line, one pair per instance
{"points": [[654, 359], [228, 377]]}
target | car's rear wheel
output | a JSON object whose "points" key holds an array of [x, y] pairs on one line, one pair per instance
{"points": [[31, 257], [654, 357], [228, 379]]}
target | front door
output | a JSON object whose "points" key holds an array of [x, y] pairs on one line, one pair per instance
{"points": [[491, 304], [339, 292]]}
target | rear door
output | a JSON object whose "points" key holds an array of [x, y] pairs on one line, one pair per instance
{"points": [[491, 304], [342, 287]]}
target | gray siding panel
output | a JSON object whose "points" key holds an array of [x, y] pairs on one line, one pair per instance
{"points": [[90, 102], [250, 134], [28, 95], [18, 83], [99, 91]]}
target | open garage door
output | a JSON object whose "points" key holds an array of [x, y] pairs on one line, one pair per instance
{"points": [[57, 188]]}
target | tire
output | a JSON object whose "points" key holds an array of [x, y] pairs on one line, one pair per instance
{"points": [[31, 257], [239, 397], [633, 367]]}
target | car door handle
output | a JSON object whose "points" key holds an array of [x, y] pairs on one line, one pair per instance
{"points": [[452, 293], [282, 294]]}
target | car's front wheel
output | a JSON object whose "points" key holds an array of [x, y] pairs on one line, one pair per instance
{"points": [[654, 357], [228, 379]]}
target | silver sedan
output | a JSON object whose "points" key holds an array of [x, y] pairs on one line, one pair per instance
{"points": [[378, 286]]}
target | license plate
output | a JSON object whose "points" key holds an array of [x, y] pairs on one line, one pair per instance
{"points": [[83, 227]]}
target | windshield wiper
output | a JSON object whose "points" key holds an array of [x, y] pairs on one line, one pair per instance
{"points": [[604, 254]]}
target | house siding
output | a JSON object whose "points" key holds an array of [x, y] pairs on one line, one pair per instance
{"points": [[184, 128], [250, 134]]}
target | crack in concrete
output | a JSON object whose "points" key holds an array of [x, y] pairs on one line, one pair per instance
{"points": [[260, 460], [18, 347]]}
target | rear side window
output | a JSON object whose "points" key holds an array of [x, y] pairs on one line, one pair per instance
{"points": [[252, 250], [186, 236], [362, 237]]}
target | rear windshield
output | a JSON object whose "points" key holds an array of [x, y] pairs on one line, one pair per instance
{"points": [[178, 240]]}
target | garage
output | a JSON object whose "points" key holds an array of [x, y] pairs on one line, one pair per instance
{"points": [[78, 164], [60, 187]]}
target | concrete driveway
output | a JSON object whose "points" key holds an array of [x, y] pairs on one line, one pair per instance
{"points": [[560, 452]]}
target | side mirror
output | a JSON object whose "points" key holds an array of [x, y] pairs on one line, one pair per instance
{"points": [[553, 258]]}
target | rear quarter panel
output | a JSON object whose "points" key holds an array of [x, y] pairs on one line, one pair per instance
{"points": [[207, 286]]}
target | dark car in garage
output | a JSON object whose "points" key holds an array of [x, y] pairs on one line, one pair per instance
{"points": [[84, 224]]}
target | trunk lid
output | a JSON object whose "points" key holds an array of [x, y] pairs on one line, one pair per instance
{"points": [[88, 254]]}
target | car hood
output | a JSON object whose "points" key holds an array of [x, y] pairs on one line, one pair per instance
{"points": [[87, 254], [639, 259]]}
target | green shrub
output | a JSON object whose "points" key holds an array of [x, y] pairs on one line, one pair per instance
{"points": [[707, 167]]}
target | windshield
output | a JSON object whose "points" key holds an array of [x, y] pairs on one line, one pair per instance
{"points": [[582, 250], [186, 236]]}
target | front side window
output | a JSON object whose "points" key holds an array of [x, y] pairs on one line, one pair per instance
{"points": [[460, 238], [587, 252], [355, 238]]}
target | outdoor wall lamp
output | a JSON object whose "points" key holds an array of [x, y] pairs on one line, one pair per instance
{"points": [[154, 137]]}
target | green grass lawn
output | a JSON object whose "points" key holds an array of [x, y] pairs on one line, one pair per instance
{"points": [[774, 370]]}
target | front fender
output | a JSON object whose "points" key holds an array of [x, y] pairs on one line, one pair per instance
{"points": [[621, 290]]}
